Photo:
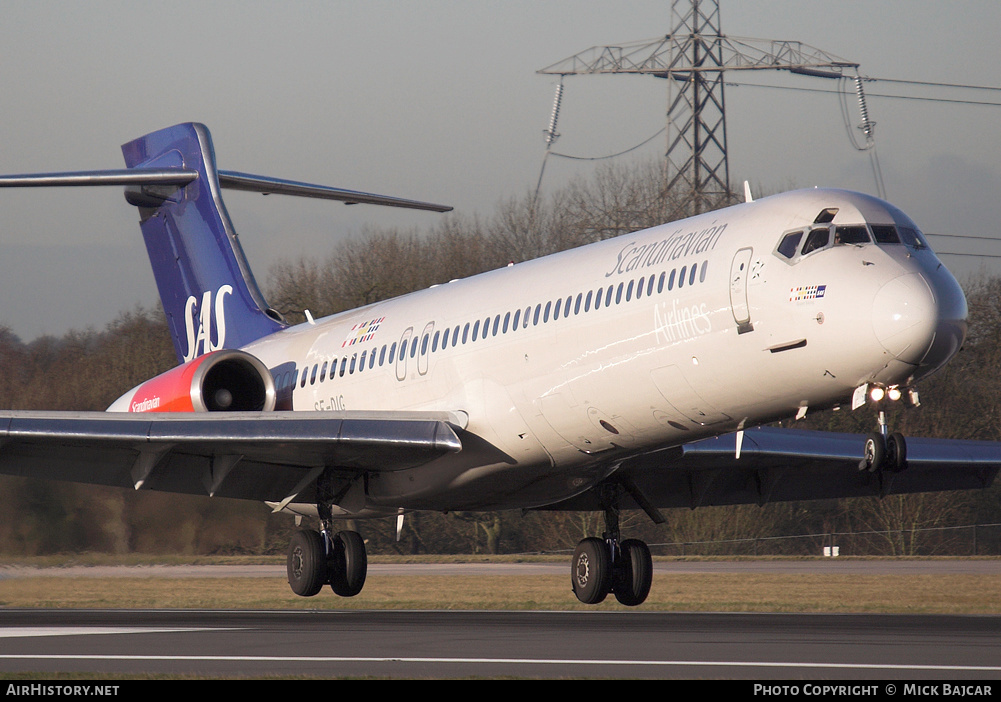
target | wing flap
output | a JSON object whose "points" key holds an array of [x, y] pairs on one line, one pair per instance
{"points": [[242, 455]]}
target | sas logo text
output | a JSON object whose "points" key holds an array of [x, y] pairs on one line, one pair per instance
{"points": [[198, 322]]}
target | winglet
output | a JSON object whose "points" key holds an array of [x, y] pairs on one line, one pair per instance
{"points": [[747, 192]]}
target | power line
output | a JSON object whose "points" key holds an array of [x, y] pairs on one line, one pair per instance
{"points": [[976, 103], [966, 236], [933, 84]]}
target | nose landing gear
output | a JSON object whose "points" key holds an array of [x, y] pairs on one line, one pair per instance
{"points": [[884, 451]]}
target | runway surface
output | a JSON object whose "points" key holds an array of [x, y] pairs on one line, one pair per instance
{"points": [[443, 644]]}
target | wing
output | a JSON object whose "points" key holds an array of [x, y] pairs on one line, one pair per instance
{"points": [[269, 457], [777, 465]]}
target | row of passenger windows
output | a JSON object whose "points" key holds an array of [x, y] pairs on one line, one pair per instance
{"points": [[541, 313], [820, 237]]}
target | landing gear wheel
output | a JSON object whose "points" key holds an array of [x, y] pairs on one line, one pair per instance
{"points": [[349, 564], [306, 563], [591, 571], [874, 453], [896, 453], [632, 573]]}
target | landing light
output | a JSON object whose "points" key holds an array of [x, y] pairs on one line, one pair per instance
{"points": [[876, 394], [893, 393]]}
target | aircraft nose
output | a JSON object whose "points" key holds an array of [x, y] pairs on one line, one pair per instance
{"points": [[920, 319]]}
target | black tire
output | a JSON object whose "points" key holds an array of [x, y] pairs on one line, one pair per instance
{"points": [[590, 571], [350, 564], [875, 452], [633, 573], [896, 453], [306, 563]]}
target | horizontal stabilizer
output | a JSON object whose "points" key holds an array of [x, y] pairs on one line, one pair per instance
{"points": [[277, 186], [121, 176], [227, 179]]}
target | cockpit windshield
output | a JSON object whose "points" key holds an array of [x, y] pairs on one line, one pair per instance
{"points": [[821, 236]]}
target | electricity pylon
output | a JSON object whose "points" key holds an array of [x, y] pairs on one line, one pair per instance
{"points": [[693, 58]]}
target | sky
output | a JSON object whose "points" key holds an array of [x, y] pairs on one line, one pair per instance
{"points": [[440, 100]]}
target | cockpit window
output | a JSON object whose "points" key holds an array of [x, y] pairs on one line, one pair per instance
{"points": [[851, 235], [816, 239], [912, 237], [889, 234], [790, 244], [826, 216], [885, 234]]}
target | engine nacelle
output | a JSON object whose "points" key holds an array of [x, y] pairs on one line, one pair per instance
{"points": [[220, 381]]}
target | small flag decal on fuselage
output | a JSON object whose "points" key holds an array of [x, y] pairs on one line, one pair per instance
{"points": [[807, 292], [363, 331]]}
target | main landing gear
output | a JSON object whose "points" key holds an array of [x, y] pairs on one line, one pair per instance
{"points": [[608, 566], [317, 558]]}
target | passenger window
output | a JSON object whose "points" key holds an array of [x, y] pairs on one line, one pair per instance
{"points": [[790, 244], [816, 239]]}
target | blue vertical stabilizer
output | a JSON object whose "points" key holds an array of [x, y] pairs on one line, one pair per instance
{"points": [[208, 292]]}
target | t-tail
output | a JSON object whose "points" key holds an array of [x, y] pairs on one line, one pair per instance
{"points": [[206, 286]]}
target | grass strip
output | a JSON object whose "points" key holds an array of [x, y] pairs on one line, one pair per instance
{"points": [[697, 592]]}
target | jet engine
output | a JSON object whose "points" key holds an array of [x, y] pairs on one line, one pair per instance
{"points": [[220, 381]]}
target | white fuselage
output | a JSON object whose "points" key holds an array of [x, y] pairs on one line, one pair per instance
{"points": [[569, 363]]}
